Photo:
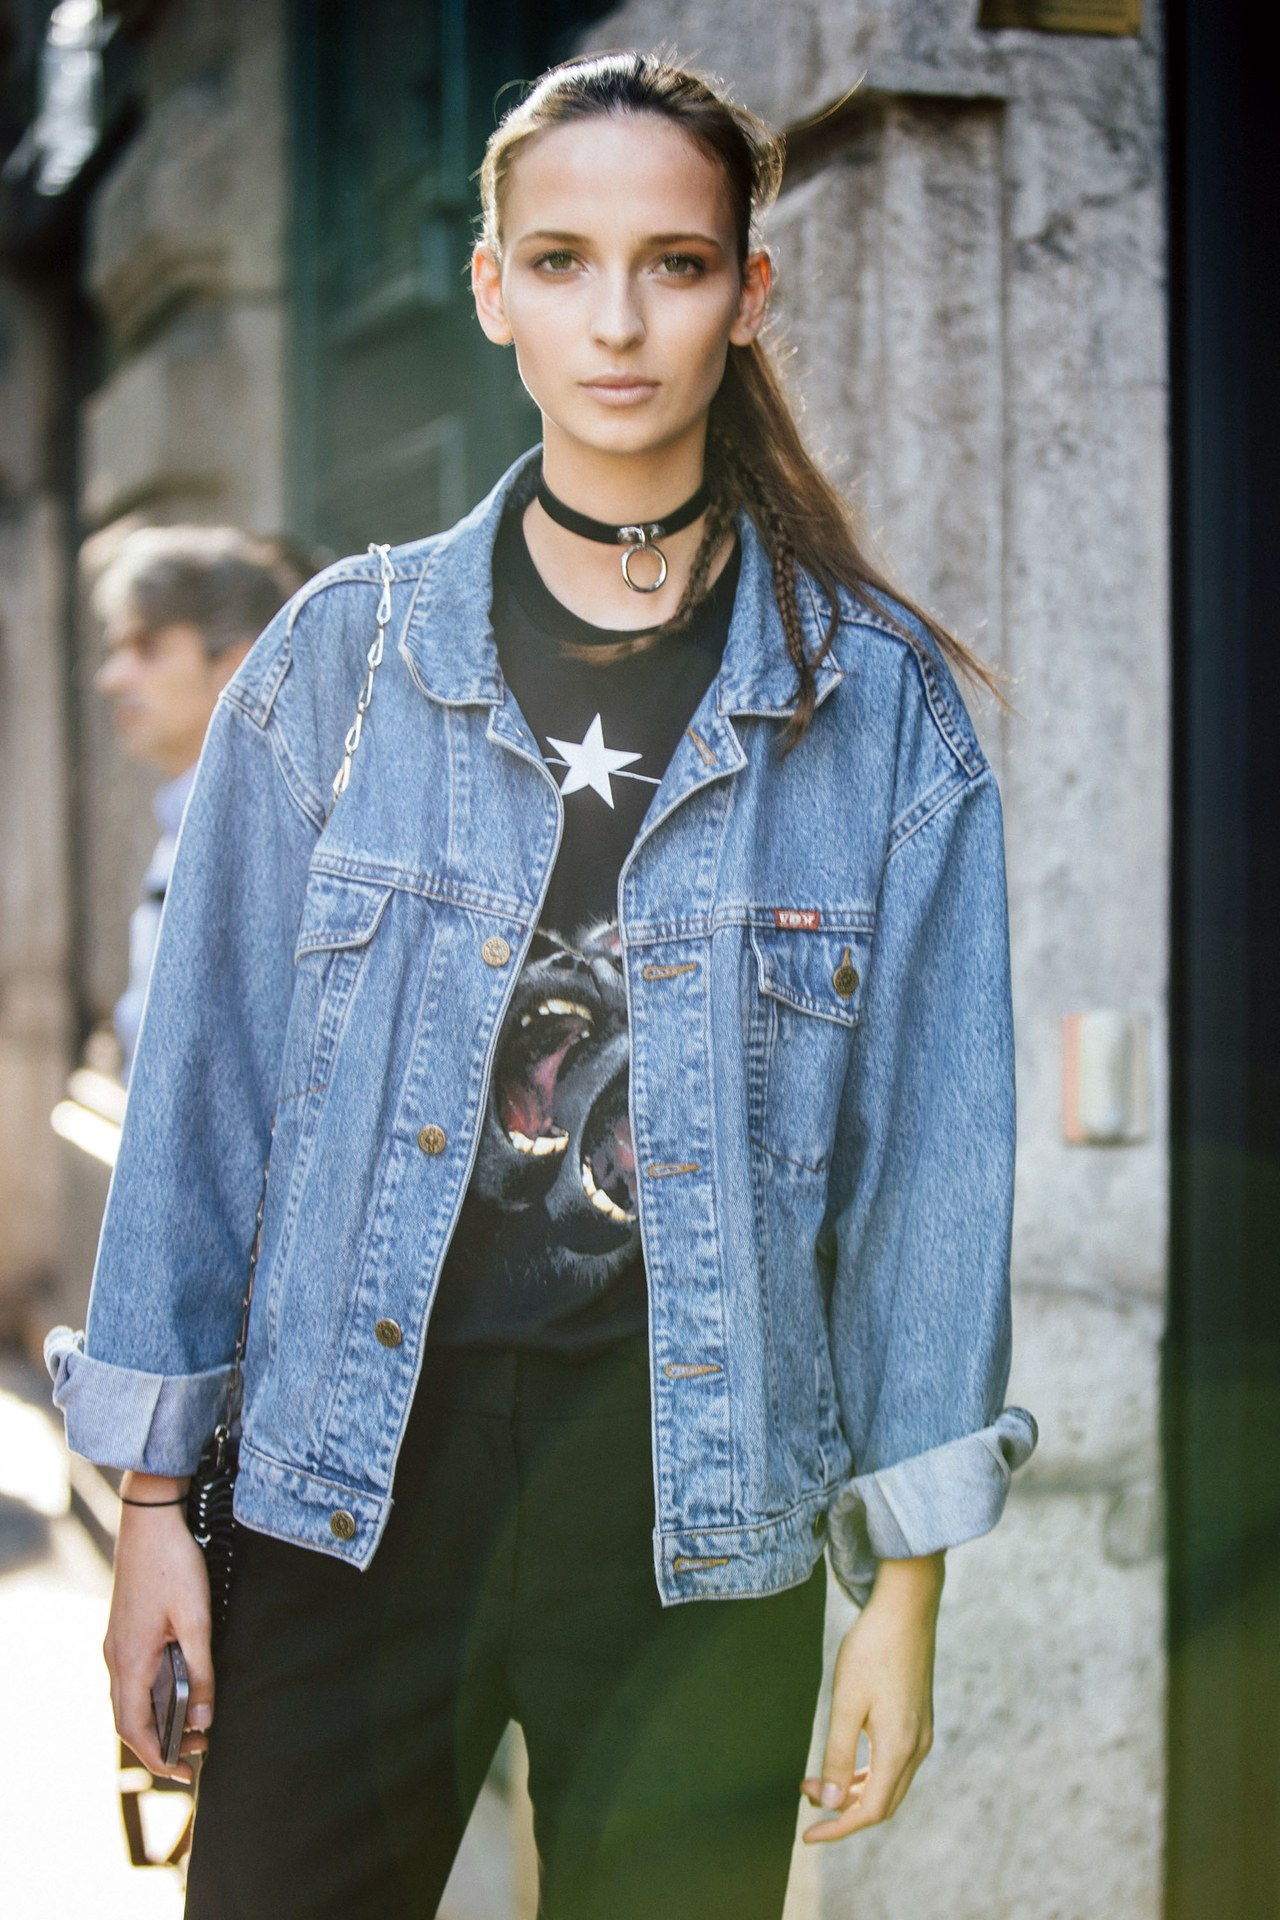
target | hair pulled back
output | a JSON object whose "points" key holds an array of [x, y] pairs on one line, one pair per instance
{"points": [[755, 457]]}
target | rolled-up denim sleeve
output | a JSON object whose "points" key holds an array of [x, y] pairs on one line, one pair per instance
{"points": [[921, 1203], [141, 1384]]}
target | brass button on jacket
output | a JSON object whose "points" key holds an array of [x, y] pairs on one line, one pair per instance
{"points": [[845, 977], [343, 1524], [432, 1139], [388, 1332], [496, 951]]}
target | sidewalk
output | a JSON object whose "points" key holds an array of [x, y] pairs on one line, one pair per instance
{"points": [[61, 1840]]}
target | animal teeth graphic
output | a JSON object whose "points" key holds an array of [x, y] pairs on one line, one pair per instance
{"points": [[599, 1198], [558, 1006], [544, 1143]]}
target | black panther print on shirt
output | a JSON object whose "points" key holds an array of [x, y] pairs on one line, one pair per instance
{"points": [[547, 1248]]}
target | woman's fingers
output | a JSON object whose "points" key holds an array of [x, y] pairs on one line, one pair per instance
{"points": [[894, 1760], [910, 1774], [811, 1785], [849, 1713], [135, 1722], [193, 1637]]}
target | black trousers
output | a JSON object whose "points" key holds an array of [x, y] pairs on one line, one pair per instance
{"points": [[357, 1714]]}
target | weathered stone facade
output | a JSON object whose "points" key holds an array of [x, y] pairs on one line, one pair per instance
{"points": [[187, 263], [35, 1007], [971, 273]]}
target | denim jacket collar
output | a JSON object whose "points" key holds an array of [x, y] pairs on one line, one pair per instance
{"points": [[449, 646]]}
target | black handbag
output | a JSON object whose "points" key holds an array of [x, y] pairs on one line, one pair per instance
{"points": [[211, 1491]]}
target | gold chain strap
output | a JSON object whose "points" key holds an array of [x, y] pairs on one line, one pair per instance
{"points": [[373, 662]]}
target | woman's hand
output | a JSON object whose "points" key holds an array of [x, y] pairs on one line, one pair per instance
{"points": [[160, 1593], [883, 1682]]}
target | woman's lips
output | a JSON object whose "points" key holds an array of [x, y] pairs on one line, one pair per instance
{"points": [[621, 393]]}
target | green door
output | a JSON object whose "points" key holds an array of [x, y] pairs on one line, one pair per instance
{"points": [[401, 413]]}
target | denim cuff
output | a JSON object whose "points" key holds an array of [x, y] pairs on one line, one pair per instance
{"points": [[120, 1417], [932, 1500]]}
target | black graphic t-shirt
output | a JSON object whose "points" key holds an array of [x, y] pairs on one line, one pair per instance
{"points": [[547, 1252]]}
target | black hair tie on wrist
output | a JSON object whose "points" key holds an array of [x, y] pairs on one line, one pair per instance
{"points": [[633, 536], [180, 1501]]}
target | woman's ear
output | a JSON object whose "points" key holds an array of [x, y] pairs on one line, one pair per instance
{"points": [[753, 302], [486, 287]]}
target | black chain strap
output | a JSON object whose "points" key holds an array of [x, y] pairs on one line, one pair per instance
{"points": [[211, 1492]]}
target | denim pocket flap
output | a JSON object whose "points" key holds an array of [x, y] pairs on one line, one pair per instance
{"points": [[819, 971], [338, 912]]}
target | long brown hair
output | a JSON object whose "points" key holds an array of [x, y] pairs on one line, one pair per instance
{"points": [[756, 458]]}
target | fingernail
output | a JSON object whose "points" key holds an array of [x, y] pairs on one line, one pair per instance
{"points": [[200, 1717], [832, 1794]]}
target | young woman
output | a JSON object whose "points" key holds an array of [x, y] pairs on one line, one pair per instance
{"points": [[631, 1037]]}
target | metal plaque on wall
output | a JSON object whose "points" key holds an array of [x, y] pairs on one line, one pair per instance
{"points": [[1063, 16]]}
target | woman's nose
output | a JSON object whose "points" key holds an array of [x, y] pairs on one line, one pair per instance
{"points": [[618, 321]]}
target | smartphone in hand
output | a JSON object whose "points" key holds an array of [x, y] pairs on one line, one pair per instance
{"points": [[170, 1693]]}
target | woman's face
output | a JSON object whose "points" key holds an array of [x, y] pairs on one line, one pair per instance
{"points": [[619, 283]]}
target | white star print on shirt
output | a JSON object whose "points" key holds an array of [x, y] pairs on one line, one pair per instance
{"points": [[590, 763]]}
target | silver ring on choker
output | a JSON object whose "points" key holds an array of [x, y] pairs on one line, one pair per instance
{"points": [[642, 544]]}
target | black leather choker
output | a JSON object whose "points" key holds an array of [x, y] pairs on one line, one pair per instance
{"points": [[633, 537]]}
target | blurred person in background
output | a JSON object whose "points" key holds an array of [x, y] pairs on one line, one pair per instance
{"points": [[179, 608]]}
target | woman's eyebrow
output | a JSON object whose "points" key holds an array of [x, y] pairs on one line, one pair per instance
{"points": [[671, 239], [651, 240]]}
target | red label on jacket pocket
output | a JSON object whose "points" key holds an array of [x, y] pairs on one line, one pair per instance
{"points": [[808, 917]]}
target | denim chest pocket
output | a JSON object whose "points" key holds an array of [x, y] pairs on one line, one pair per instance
{"points": [[806, 1001], [333, 945], [340, 917]]}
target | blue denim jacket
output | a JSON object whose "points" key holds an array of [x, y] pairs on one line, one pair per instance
{"points": [[816, 963]]}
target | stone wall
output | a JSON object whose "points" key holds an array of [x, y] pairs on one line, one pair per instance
{"points": [[35, 1007], [971, 281], [187, 266]]}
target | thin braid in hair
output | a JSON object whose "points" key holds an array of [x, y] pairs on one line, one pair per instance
{"points": [[754, 490], [718, 521]]}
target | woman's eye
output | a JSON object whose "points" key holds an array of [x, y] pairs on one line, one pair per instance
{"points": [[685, 266], [558, 258]]}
